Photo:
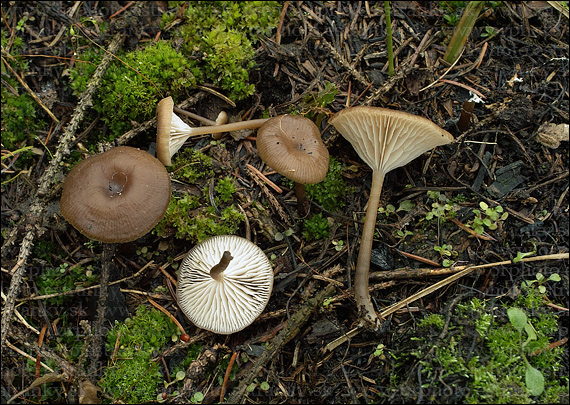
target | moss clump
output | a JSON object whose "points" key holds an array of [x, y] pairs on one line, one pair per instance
{"points": [[191, 166], [188, 218], [21, 118], [132, 376], [331, 191], [131, 90], [220, 35], [62, 279], [316, 228]]}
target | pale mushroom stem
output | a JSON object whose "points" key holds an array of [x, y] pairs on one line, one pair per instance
{"points": [[361, 276], [219, 268], [232, 126]]}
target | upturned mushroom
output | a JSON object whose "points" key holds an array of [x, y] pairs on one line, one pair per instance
{"points": [[172, 132], [117, 196], [384, 139], [224, 284], [292, 146]]}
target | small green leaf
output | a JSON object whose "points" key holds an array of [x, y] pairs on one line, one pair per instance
{"points": [[517, 318], [522, 255], [534, 380], [406, 205], [483, 205], [180, 375], [198, 396], [554, 277], [529, 329], [264, 386]]}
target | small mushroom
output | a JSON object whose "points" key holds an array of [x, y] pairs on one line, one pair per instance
{"points": [[224, 284], [117, 196], [292, 146], [384, 139], [172, 132]]}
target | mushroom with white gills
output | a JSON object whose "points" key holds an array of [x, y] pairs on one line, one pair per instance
{"points": [[292, 146], [224, 284], [384, 139], [172, 132], [114, 197]]}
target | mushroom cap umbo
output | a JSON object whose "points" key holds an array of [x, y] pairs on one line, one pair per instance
{"points": [[292, 146], [117, 196], [171, 131], [234, 299], [386, 139]]}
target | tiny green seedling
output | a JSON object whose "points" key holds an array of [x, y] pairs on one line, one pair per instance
{"points": [[279, 236], [338, 245], [487, 217], [197, 398], [540, 280], [447, 253], [534, 378]]}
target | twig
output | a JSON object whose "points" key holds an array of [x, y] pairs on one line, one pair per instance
{"points": [[109, 250], [264, 178], [46, 184], [227, 376], [291, 330]]}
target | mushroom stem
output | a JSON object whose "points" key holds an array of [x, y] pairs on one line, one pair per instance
{"points": [[219, 268], [302, 203], [233, 126], [195, 116], [361, 276]]}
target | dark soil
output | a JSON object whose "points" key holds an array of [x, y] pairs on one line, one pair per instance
{"points": [[522, 72]]}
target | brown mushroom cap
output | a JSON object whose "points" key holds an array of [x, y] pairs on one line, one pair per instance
{"points": [[292, 146], [117, 196], [386, 139], [229, 299]]}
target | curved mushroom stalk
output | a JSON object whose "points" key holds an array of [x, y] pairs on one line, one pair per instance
{"points": [[361, 292], [384, 139], [219, 268]]}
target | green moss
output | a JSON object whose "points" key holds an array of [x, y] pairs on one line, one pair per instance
{"points": [[198, 224], [225, 190], [316, 228], [62, 279], [435, 320], [130, 90], [132, 376], [22, 117], [191, 166], [482, 357], [189, 218], [220, 36], [331, 191]]}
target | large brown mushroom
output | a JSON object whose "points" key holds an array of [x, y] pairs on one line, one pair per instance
{"points": [[384, 139], [117, 196], [292, 146]]}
